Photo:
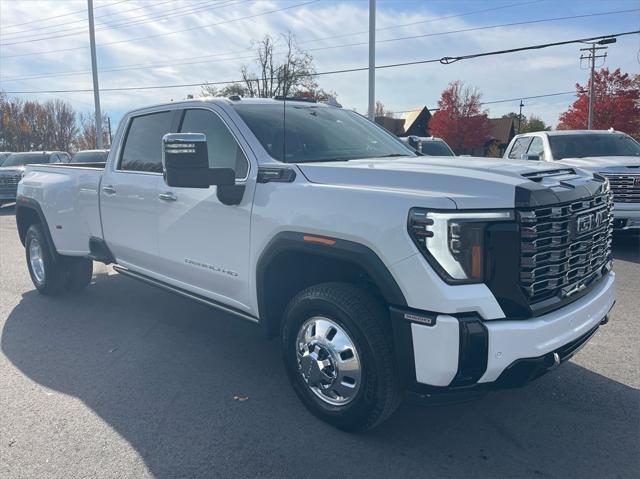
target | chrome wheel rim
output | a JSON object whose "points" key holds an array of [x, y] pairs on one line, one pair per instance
{"points": [[328, 361], [36, 260]]}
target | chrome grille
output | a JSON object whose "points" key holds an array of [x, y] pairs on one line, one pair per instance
{"points": [[625, 187], [9, 180], [564, 248]]}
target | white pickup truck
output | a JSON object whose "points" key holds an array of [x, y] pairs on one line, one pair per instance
{"points": [[381, 271], [609, 153]]}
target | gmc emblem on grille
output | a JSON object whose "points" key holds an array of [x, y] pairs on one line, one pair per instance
{"points": [[636, 181], [589, 222]]}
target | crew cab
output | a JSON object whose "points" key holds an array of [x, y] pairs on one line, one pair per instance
{"points": [[610, 153], [379, 270], [13, 165]]}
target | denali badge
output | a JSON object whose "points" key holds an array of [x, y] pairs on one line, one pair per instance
{"points": [[217, 269], [420, 319]]}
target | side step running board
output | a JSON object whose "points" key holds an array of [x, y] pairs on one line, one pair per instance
{"points": [[186, 294]]}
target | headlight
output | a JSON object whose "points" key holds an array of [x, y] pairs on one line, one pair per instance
{"points": [[453, 242]]}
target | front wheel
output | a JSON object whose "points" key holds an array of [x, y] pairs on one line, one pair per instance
{"points": [[337, 347]]}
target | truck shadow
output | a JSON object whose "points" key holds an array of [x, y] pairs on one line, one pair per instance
{"points": [[627, 247], [163, 372]]}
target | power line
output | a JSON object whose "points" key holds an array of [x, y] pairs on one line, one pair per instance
{"points": [[178, 12], [156, 4], [430, 20], [315, 39], [60, 16], [509, 100], [464, 30], [198, 27], [66, 24], [443, 60], [199, 59]]}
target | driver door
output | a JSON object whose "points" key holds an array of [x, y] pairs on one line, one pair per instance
{"points": [[204, 244]]}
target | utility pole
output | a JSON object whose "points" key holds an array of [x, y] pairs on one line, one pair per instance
{"points": [[520, 116], [372, 60], [110, 135], [592, 57], [94, 69]]}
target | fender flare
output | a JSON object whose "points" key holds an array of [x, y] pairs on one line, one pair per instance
{"points": [[339, 249], [22, 204]]}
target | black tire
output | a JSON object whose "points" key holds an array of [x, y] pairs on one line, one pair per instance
{"points": [[80, 273], [55, 269], [366, 322]]}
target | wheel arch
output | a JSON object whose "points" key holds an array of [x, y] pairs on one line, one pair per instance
{"points": [[29, 212], [279, 275]]}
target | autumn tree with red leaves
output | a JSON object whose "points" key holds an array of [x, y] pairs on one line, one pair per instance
{"points": [[459, 120], [616, 104]]}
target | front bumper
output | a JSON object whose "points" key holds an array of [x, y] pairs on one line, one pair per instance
{"points": [[442, 352], [8, 193], [626, 216]]}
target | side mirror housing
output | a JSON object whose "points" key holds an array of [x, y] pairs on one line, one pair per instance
{"points": [[526, 156], [185, 162], [415, 142]]}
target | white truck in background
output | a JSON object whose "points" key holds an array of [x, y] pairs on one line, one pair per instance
{"points": [[380, 271], [610, 153]]}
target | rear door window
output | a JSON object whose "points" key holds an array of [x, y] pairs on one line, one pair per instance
{"points": [[519, 147], [143, 144]]}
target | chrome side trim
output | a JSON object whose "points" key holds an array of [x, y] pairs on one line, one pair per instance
{"points": [[186, 294]]}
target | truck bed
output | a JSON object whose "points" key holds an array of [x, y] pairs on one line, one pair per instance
{"points": [[68, 195]]}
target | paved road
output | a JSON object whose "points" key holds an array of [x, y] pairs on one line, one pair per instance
{"points": [[125, 380]]}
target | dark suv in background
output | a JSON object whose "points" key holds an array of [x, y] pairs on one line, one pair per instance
{"points": [[12, 169]]}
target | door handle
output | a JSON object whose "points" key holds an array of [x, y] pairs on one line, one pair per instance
{"points": [[168, 196], [109, 189]]}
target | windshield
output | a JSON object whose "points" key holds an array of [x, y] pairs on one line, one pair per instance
{"points": [[19, 159], [317, 133], [4, 156], [90, 157], [598, 144], [436, 148]]}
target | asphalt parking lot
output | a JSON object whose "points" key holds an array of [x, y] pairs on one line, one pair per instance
{"points": [[125, 380]]}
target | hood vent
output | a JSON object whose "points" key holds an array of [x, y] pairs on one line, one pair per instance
{"points": [[538, 176]]}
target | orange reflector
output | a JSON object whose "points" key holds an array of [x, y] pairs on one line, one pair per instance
{"points": [[476, 262], [319, 240]]}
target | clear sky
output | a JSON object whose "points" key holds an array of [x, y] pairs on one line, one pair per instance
{"points": [[164, 42]]}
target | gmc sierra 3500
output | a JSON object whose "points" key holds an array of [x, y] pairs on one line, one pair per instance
{"points": [[380, 270]]}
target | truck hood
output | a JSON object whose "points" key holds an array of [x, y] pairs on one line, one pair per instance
{"points": [[602, 163], [469, 182]]}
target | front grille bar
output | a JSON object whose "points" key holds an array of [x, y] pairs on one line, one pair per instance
{"points": [[625, 187], [565, 248]]}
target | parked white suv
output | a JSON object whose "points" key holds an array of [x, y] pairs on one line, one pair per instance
{"points": [[380, 270], [610, 153]]}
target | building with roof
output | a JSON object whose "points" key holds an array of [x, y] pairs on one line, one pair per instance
{"points": [[501, 132], [414, 122]]}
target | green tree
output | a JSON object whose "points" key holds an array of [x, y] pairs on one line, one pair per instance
{"points": [[527, 125], [535, 123]]}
